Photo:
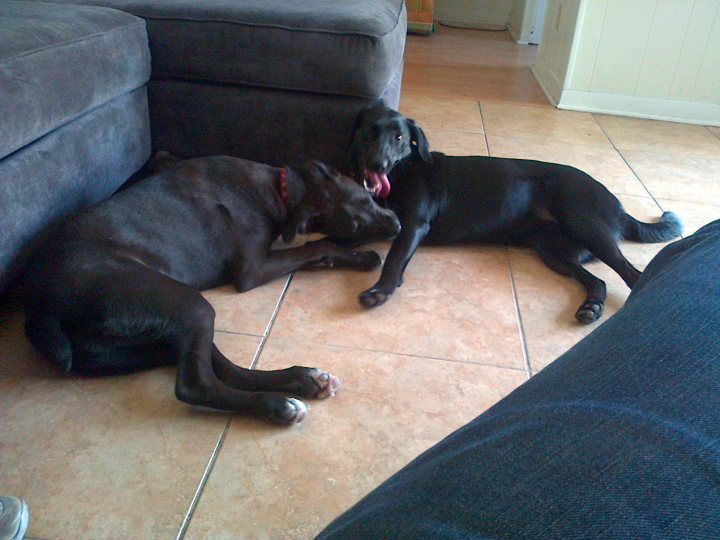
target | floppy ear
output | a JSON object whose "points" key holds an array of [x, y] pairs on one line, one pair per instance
{"points": [[353, 152], [297, 223], [419, 141]]}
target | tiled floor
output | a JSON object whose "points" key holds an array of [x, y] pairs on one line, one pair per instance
{"points": [[121, 458]]}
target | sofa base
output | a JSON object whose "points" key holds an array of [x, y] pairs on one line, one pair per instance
{"points": [[191, 119]]}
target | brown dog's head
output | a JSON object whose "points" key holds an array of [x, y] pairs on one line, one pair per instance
{"points": [[338, 207], [381, 139]]}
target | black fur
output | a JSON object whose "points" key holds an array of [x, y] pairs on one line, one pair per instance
{"points": [[116, 289], [560, 211]]}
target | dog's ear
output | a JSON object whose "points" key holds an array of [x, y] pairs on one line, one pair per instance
{"points": [[353, 152], [419, 141]]}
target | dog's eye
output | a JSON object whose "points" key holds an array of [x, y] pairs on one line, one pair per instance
{"points": [[398, 137]]}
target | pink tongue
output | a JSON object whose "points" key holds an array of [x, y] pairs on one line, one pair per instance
{"points": [[380, 183]]}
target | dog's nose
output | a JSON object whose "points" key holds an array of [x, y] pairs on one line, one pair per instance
{"points": [[379, 165]]}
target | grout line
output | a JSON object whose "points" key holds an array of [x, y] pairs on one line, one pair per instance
{"points": [[521, 326], [221, 439], [487, 144], [408, 355], [716, 135], [203, 481], [271, 322], [635, 174], [237, 333]]}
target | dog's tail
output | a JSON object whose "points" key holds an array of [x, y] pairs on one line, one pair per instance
{"points": [[45, 333], [667, 228]]}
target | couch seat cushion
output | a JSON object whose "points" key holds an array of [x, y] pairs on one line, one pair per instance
{"points": [[58, 62], [342, 47]]}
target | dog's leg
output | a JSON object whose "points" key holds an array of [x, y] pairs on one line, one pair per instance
{"points": [[252, 271], [145, 312], [401, 251], [594, 305], [599, 240], [198, 384], [563, 255], [297, 380]]}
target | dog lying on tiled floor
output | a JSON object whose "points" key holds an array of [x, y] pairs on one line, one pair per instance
{"points": [[117, 288], [563, 213]]}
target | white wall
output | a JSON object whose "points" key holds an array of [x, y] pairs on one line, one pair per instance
{"points": [[522, 21], [553, 56], [485, 14], [647, 58]]}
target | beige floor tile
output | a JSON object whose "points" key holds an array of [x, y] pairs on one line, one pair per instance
{"points": [[603, 163], [548, 302], [541, 123], [647, 210], [676, 177], [659, 137], [100, 457], [271, 482], [457, 143], [715, 131], [442, 114], [692, 215], [456, 302], [248, 312]]}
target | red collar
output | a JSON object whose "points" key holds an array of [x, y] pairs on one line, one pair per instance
{"points": [[284, 196]]}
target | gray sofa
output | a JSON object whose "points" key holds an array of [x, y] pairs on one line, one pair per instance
{"points": [[73, 116], [277, 81]]}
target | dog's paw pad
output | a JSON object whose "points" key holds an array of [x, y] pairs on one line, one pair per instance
{"points": [[589, 312], [294, 412], [328, 385]]}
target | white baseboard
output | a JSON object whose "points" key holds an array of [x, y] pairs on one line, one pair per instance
{"points": [[512, 33], [547, 81], [707, 114]]}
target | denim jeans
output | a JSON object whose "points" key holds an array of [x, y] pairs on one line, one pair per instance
{"points": [[618, 438]]}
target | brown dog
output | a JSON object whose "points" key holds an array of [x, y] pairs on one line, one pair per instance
{"points": [[116, 289]]}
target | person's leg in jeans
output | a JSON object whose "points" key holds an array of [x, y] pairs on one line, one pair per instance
{"points": [[618, 438]]}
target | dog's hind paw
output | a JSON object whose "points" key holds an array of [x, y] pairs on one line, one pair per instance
{"points": [[589, 312], [328, 385], [293, 412]]}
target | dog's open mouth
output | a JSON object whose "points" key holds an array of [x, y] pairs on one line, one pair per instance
{"points": [[377, 183]]}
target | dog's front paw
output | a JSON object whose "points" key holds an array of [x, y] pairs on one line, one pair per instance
{"points": [[375, 296], [589, 312]]}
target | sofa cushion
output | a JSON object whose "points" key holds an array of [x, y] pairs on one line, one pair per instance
{"points": [[339, 47], [74, 166], [58, 62]]}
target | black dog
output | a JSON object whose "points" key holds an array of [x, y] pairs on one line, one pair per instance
{"points": [[116, 289], [561, 212]]}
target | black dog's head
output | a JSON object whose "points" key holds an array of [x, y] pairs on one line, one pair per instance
{"points": [[338, 207], [381, 139]]}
